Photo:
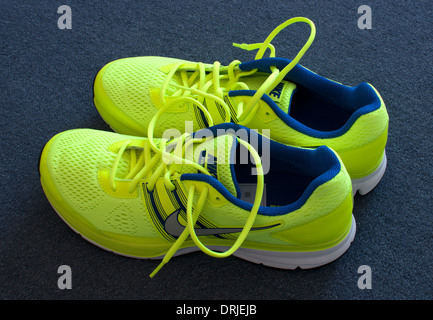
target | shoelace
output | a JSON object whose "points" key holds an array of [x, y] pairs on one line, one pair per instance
{"points": [[203, 77], [192, 215], [172, 162], [206, 76]]}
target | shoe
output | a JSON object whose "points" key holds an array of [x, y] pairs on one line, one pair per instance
{"points": [[298, 106], [154, 198]]}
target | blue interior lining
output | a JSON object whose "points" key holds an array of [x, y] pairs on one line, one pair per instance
{"points": [[296, 172], [317, 98]]}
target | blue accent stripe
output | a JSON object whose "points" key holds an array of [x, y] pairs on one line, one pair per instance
{"points": [[363, 94], [155, 215], [154, 207], [203, 118], [232, 167], [183, 208], [321, 162]]}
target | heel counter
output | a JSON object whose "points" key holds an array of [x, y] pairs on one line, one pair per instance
{"points": [[365, 158], [323, 228]]}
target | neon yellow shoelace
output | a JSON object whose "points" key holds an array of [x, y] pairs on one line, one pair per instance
{"points": [[204, 77], [198, 84], [192, 217], [172, 162]]}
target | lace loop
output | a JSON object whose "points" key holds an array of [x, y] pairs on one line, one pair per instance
{"points": [[183, 142], [116, 164], [145, 167], [196, 80], [192, 216], [212, 75], [251, 218]]}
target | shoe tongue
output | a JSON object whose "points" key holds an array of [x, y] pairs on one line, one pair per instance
{"points": [[282, 93], [217, 156]]}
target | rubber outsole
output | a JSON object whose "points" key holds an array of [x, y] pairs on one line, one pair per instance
{"points": [[275, 259], [366, 184]]}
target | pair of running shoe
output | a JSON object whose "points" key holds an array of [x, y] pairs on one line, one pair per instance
{"points": [[260, 160]]}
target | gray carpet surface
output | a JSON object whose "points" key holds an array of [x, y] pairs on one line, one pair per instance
{"points": [[46, 87]]}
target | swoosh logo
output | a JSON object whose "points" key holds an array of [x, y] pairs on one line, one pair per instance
{"points": [[172, 226]]}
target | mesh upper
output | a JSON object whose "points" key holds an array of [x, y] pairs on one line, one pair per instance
{"points": [[74, 160], [128, 82], [75, 157]]}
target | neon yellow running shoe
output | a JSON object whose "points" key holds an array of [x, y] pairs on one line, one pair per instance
{"points": [[154, 198], [300, 107]]}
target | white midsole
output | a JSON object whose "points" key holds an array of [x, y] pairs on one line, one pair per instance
{"points": [[366, 184], [275, 259], [287, 260]]}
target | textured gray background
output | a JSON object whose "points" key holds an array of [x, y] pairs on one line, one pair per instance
{"points": [[46, 87]]}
